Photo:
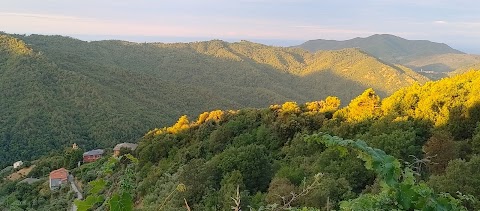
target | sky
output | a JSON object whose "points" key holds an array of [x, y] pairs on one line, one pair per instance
{"points": [[275, 22]]}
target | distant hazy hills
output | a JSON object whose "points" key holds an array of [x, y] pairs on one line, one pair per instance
{"points": [[442, 65], [386, 47], [432, 59], [465, 69], [57, 90]]}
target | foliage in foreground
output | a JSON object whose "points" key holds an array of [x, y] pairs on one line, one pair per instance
{"points": [[399, 188], [263, 152], [121, 198]]}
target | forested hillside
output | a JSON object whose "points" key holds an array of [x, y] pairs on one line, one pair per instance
{"points": [[284, 156], [433, 60], [324, 71], [387, 47], [48, 105], [465, 69], [443, 62], [56, 90], [442, 65]]}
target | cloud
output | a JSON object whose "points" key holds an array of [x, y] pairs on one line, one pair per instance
{"points": [[39, 16], [333, 30], [440, 22], [60, 24], [275, 1], [186, 26]]}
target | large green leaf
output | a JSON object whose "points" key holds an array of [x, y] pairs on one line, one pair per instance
{"points": [[123, 202], [88, 203], [97, 185]]}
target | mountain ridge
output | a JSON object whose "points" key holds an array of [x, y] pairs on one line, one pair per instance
{"points": [[386, 47]]}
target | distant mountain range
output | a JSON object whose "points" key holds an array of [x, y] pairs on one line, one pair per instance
{"points": [[431, 59], [386, 47], [56, 90]]}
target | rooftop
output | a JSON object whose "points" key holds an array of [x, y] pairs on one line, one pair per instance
{"points": [[94, 152], [61, 173], [125, 145]]}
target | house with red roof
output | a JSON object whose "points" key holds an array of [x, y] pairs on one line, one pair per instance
{"points": [[57, 178]]}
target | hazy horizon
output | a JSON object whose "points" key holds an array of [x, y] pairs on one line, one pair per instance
{"points": [[281, 22], [163, 39]]}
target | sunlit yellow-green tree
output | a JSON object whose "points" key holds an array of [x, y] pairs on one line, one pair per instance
{"points": [[290, 108], [364, 107], [181, 125]]}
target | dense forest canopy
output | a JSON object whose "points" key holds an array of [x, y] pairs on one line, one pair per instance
{"points": [[56, 91], [433, 129], [420, 149]]}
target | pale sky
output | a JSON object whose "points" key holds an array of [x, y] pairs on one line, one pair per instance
{"points": [[279, 22]]}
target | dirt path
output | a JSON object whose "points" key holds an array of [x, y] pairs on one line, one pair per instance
{"points": [[79, 194], [20, 173]]}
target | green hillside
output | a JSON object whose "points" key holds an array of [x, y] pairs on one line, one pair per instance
{"points": [[268, 152], [352, 66], [56, 90], [444, 62], [386, 47], [439, 66], [417, 149], [465, 69]]}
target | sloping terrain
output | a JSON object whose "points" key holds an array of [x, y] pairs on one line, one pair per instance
{"points": [[439, 66], [57, 90], [276, 157], [317, 68], [465, 69], [444, 62]]}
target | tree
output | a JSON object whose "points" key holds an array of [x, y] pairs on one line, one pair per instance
{"points": [[253, 162], [228, 187], [476, 140], [278, 188], [460, 178], [198, 178], [72, 157], [290, 108], [399, 188], [401, 143], [331, 104], [364, 107], [329, 193], [441, 149], [181, 125]]}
